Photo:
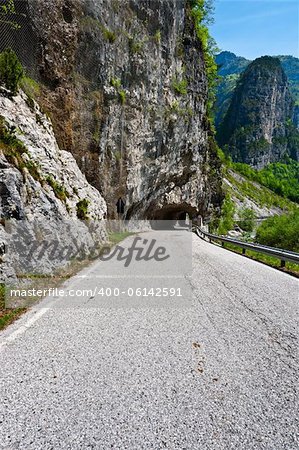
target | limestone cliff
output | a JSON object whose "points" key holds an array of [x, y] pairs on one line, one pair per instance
{"points": [[124, 82], [258, 127], [43, 179], [41, 187]]}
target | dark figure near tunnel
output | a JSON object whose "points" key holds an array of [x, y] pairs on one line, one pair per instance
{"points": [[120, 206]]}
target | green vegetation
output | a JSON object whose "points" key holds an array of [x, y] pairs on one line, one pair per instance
{"points": [[58, 189], [240, 128], [117, 156], [262, 196], [266, 259], [224, 96], [179, 86], [30, 86], [116, 5], [8, 136], [114, 237], [7, 10], [230, 65], [122, 96], [7, 315], [115, 82], [201, 11], [109, 35], [280, 231], [89, 22], [246, 219], [14, 151], [175, 108], [96, 136], [281, 178], [31, 89], [290, 65], [226, 221], [157, 36], [11, 70], [243, 184], [135, 46], [82, 209]]}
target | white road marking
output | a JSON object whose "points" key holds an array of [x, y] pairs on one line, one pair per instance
{"points": [[19, 331]]}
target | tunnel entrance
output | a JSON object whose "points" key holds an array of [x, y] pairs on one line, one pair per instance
{"points": [[175, 213]]}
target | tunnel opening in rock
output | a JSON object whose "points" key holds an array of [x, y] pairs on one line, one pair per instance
{"points": [[173, 213]]}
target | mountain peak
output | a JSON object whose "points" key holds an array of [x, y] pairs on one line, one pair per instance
{"points": [[229, 63], [270, 62], [257, 128]]}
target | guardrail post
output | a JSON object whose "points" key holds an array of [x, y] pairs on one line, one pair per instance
{"points": [[282, 263], [243, 251], [222, 244]]}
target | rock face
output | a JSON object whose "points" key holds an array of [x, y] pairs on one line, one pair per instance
{"points": [[124, 82], [41, 186], [258, 127], [231, 66], [37, 193]]}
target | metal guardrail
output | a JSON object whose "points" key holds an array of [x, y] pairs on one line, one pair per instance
{"points": [[283, 255]]}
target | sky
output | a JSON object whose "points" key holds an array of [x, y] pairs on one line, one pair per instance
{"points": [[253, 28]]}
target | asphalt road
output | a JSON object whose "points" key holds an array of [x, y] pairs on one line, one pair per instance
{"points": [[219, 371]]}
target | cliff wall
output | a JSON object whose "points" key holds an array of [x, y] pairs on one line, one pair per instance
{"points": [[125, 85]]}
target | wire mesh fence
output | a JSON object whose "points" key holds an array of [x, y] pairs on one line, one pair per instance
{"points": [[17, 33]]}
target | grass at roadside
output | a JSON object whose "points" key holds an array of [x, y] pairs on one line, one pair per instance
{"points": [[116, 237], [9, 315], [290, 268]]}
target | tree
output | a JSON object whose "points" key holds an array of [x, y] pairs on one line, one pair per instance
{"points": [[11, 70], [280, 231], [247, 217], [226, 222]]}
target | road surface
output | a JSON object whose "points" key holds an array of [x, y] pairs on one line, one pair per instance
{"points": [[219, 372]]}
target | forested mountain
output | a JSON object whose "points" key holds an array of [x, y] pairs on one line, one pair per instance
{"points": [[257, 128], [231, 66]]}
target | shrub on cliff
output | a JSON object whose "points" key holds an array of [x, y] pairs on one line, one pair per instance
{"points": [[58, 189], [11, 70], [14, 150], [82, 209]]}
